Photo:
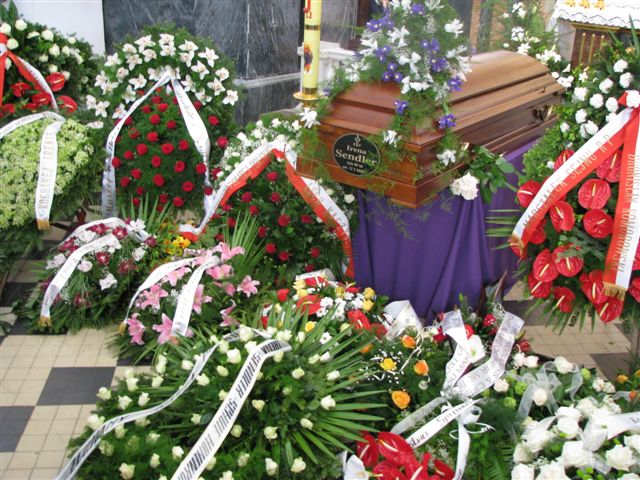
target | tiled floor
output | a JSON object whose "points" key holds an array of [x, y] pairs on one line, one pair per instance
{"points": [[48, 383]]}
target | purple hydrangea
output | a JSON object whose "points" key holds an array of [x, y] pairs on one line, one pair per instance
{"points": [[401, 106], [455, 84], [447, 121]]}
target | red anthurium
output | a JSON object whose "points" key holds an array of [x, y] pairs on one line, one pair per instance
{"points": [[359, 320], [394, 448], [544, 269], [19, 89], [610, 309], [562, 216], [367, 451], [597, 223], [527, 191], [634, 289], [564, 299], [282, 294], [594, 193], [537, 288], [56, 81], [469, 330], [636, 260], [489, 321], [315, 282], [41, 99], [539, 235], [416, 471], [387, 471], [609, 170], [309, 304], [563, 157], [66, 103], [444, 471], [593, 287], [7, 109], [568, 263]]}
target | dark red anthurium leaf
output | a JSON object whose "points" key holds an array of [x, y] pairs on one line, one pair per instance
{"points": [[564, 299], [367, 451], [387, 471], [527, 192], [593, 287], [568, 265], [610, 309], [539, 235], [562, 216], [597, 223], [594, 193], [394, 448], [544, 269], [537, 288], [563, 157], [609, 170], [634, 289]]}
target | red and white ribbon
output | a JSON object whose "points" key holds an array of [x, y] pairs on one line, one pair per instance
{"points": [[311, 191], [622, 130], [28, 71]]}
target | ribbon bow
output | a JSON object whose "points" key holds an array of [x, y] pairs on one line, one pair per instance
{"points": [[623, 130], [29, 72]]}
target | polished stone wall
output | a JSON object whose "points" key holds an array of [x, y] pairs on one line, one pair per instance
{"points": [[261, 36]]}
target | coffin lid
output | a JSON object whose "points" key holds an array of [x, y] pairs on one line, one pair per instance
{"points": [[491, 71]]}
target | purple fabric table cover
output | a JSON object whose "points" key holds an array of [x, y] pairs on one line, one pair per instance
{"points": [[440, 251]]}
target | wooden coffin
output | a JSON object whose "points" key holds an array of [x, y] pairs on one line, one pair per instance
{"points": [[505, 103]]}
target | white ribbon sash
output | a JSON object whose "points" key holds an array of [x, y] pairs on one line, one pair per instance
{"points": [[219, 427], [399, 317], [184, 307], [71, 468]]}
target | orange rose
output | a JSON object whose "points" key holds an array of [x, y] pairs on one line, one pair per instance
{"points": [[421, 368], [366, 348], [632, 395], [401, 399], [409, 342]]}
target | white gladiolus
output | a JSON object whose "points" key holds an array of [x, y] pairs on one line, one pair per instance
{"points": [[127, 471], [298, 373], [222, 371], [156, 381], [124, 402], [327, 402], [119, 432], [333, 376], [161, 364], [236, 431], [234, 356], [186, 365], [155, 461], [306, 423], [132, 384], [202, 380]]}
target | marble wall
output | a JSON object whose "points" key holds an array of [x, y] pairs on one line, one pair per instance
{"points": [[261, 36]]}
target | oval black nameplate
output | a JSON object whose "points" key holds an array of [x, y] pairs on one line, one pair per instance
{"points": [[356, 155]]}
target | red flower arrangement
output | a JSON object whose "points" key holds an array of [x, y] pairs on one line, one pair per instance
{"points": [[159, 158]]}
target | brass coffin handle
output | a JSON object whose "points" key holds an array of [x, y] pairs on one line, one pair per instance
{"points": [[543, 113]]}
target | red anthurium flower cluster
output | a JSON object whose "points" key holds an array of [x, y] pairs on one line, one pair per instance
{"points": [[566, 256], [390, 457], [155, 155]]}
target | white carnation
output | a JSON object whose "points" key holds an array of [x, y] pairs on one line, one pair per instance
{"points": [[596, 101], [611, 104], [606, 85], [501, 385], [563, 365], [581, 116], [620, 66], [580, 93], [625, 80]]}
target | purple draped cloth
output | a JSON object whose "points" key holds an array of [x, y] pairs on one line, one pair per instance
{"points": [[432, 254]]}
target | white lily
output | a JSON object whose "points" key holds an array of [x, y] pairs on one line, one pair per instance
{"points": [[397, 36]]}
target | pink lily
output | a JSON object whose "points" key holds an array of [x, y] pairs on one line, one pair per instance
{"points": [[164, 329], [177, 274], [204, 257], [199, 299], [220, 271], [152, 296], [248, 286], [136, 329], [226, 252], [229, 289], [227, 319]]}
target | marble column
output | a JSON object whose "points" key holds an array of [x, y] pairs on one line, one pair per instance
{"points": [[261, 36]]}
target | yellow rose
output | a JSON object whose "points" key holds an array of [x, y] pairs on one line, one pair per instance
{"points": [[421, 368], [409, 342], [369, 293], [401, 399], [637, 374], [622, 378], [302, 293], [339, 292], [367, 305], [388, 365], [299, 284], [309, 326]]}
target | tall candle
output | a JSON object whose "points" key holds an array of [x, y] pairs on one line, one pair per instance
{"points": [[310, 52]]}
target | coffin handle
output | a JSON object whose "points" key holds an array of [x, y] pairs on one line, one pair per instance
{"points": [[543, 113]]}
